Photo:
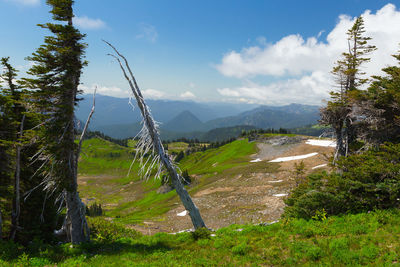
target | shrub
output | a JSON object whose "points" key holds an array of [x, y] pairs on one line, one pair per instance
{"points": [[363, 182], [201, 233], [110, 231], [94, 210]]}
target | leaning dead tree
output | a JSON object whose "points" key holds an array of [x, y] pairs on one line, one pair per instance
{"points": [[149, 141]]}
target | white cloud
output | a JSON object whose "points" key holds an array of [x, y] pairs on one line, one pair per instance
{"points": [[104, 90], [25, 2], [147, 32], [153, 94], [304, 65], [87, 23], [309, 89], [187, 95]]}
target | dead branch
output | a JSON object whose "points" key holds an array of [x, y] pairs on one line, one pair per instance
{"points": [[150, 142], [78, 151]]}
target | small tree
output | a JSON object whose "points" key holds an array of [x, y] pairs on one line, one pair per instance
{"points": [[299, 173]]}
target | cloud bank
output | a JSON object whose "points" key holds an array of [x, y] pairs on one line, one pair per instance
{"points": [[303, 66]]}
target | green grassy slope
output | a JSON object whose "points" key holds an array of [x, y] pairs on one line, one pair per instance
{"points": [[369, 239], [103, 172], [101, 157]]}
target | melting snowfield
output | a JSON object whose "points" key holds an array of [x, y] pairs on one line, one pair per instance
{"points": [[294, 157], [325, 143], [255, 160], [181, 214], [319, 166]]}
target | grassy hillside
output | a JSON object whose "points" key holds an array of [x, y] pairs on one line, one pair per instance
{"points": [[103, 157], [368, 239], [104, 166]]}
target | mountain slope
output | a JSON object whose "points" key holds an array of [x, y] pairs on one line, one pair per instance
{"points": [[184, 122], [291, 116], [113, 110]]}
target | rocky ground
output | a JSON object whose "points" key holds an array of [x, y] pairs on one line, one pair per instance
{"points": [[246, 195]]}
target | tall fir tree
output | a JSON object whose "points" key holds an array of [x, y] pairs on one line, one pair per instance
{"points": [[57, 70], [348, 78], [19, 144]]}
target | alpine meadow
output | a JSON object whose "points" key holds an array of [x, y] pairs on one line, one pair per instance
{"points": [[209, 133]]}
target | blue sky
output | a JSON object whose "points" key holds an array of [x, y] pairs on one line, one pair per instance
{"points": [[265, 52]]}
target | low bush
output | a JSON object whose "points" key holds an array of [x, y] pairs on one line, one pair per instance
{"points": [[362, 182], [102, 229]]}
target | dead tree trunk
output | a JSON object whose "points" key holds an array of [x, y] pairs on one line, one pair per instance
{"points": [[149, 123], [17, 192], [1, 226], [75, 227]]}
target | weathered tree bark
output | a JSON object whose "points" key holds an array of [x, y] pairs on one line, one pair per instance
{"points": [[1, 226], [75, 226], [187, 202], [340, 150], [17, 192]]}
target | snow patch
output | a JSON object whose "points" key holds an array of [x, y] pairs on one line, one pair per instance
{"points": [[183, 213], [294, 157], [319, 166], [277, 181], [280, 195], [325, 143], [255, 160]]}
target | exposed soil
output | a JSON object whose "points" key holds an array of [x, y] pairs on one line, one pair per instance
{"points": [[245, 197]]}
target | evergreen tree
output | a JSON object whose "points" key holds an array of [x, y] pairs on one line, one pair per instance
{"points": [[19, 145], [57, 74], [380, 107], [348, 78]]}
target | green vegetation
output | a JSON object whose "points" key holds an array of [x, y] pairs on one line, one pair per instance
{"points": [[366, 182], [100, 157], [352, 240], [103, 169], [219, 159]]}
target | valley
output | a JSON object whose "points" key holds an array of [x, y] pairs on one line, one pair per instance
{"points": [[232, 184]]}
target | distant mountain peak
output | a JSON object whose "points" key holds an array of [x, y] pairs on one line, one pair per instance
{"points": [[185, 121]]}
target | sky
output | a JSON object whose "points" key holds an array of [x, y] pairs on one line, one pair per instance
{"points": [[260, 52]]}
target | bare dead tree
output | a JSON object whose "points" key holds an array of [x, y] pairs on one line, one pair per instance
{"points": [[17, 198], [1, 226], [150, 142]]}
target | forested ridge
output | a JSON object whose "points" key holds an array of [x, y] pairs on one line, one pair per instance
{"points": [[345, 213]]}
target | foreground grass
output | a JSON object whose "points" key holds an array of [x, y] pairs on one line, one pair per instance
{"points": [[353, 240]]}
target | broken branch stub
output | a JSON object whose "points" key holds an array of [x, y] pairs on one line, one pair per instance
{"points": [[150, 142]]}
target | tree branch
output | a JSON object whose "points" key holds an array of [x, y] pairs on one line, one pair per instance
{"points": [[78, 151]]}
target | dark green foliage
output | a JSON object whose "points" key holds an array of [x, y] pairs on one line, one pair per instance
{"points": [[365, 182], [57, 73], [180, 156], [201, 233], [37, 217], [94, 210], [186, 177], [381, 105]]}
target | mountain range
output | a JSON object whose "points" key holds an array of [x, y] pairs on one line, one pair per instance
{"points": [[114, 117]]}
